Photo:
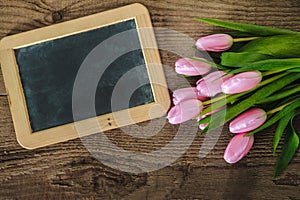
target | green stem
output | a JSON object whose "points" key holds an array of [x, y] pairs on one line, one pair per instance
{"points": [[207, 62], [274, 78], [288, 91], [270, 112], [267, 73], [244, 39], [214, 100]]}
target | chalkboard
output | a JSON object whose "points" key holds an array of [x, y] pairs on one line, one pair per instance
{"points": [[41, 67], [48, 71]]}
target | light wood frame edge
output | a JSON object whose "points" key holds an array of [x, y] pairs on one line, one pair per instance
{"points": [[16, 97]]}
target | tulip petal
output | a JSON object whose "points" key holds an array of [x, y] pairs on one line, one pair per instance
{"points": [[238, 147], [241, 82], [191, 67], [184, 111], [248, 121], [215, 42], [182, 94], [210, 85]]}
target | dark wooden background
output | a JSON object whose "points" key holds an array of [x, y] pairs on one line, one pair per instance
{"points": [[68, 171]]}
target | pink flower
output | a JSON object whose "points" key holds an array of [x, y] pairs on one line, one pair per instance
{"points": [[210, 85], [215, 42], [248, 121], [241, 82], [186, 93], [238, 147], [191, 67], [184, 111]]}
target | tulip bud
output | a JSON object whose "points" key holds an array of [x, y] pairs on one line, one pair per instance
{"points": [[241, 82], [238, 147], [186, 93], [215, 42], [210, 85], [248, 121], [184, 111], [191, 67]]}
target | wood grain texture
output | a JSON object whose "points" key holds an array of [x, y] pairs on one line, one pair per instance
{"points": [[68, 171], [2, 87]]}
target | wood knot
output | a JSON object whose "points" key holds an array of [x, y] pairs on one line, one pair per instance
{"points": [[57, 16], [54, 17]]}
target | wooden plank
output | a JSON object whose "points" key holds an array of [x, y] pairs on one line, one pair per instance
{"points": [[174, 14], [261, 150], [82, 181], [2, 87], [77, 174], [68, 171]]}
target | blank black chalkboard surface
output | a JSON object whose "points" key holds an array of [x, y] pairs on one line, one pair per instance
{"points": [[102, 68]]}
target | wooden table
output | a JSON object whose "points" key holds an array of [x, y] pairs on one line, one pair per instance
{"points": [[68, 171]]}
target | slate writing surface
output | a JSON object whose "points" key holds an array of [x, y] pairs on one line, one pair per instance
{"points": [[48, 71]]}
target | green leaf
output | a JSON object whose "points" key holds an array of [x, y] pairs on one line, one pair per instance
{"points": [[241, 59], [234, 33], [205, 120], [294, 70], [248, 28], [240, 107], [218, 104], [222, 102], [285, 111], [271, 64], [290, 146], [279, 46], [288, 99], [284, 121], [209, 62], [281, 102], [281, 95]]}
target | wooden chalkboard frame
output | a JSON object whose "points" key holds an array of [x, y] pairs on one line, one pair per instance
{"points": [[14, 88]]}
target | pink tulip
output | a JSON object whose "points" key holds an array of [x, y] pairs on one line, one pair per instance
{"points": [[238, 147], [184, 111], [241, 82], [248, 121], [215, 42], [210, 85], [191, 67], [186, 93]]}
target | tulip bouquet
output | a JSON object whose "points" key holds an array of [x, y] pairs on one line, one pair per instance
{"points": [[253, 83]]}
